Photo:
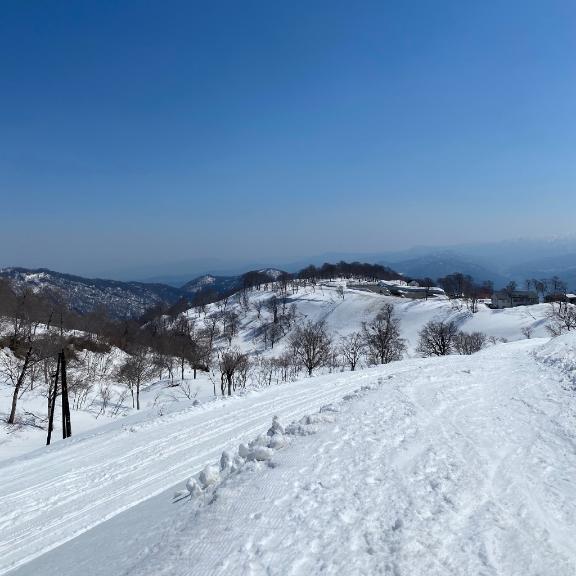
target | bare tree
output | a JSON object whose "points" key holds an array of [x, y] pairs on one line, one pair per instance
{"points": [[258, 306], [273, 307], [135, 370], [527, 332], [273, 333], [311, 345], [212, 329], [427, 284], [437, 338], [471, 297], [455, 285], [561, 318], [244, 301], [351, 348], [15, 368], [21, 342], [231, 325], [382, 337], [465, 343], [287, 365], [541, 287], [509, 290], [231, 363]]}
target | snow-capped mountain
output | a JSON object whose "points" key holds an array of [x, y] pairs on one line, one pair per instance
{"points": [[227, 284], [125, 299], [121, 299], [274, 273], [206, 282]]}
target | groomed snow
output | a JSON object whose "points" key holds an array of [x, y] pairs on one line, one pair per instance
{"points": [[455, 465], [53, 494]]}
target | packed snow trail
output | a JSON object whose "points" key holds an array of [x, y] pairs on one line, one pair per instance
{"points": [[52, 495], [457, 466]]}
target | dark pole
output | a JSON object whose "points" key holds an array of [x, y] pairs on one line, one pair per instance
{"points": [[53, 404], [66, 427]]}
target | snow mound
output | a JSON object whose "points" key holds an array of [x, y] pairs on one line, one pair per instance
{"points": [[261, 453], [276, 427], [261, 449], [559, 352], [319, 418], [296, 429], [209, 476], [330, 408], [308, 424]]}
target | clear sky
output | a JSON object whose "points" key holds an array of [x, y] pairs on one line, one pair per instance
{"points": [[134, 133]]}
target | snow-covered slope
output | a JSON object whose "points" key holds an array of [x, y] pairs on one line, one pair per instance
{"points": [[84, 295], [455, 465], [343, 316]]}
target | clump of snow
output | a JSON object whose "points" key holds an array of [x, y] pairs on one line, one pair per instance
{"points": [[330, 408], [243, 451], [209, 476], [319, 418], [261, 449], [296, 429], [261, 453], [226, 460], [262, 440], [308, 424], [193, 487], [278, 441], [276, 427]]}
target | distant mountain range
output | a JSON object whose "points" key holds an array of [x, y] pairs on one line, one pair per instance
{"points": [[499, 262], [120, 299], [437, 265]]}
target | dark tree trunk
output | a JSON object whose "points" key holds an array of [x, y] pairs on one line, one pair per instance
{"points": [[19, 382]]}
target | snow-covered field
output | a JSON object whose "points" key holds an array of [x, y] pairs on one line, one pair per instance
{"points": [[455, 465], [346, 315], [342, 316]]}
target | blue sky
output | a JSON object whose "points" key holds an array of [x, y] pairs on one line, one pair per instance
{"points": [[133, 133]]}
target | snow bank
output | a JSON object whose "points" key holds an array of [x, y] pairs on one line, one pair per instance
{"points": [[261, 449], [559, 352]]}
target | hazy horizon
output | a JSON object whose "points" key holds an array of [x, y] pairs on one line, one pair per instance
{"points": [[493, 253]]}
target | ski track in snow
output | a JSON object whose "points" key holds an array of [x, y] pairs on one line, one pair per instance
{"points": [[50, 497], [465, 473], [454, 466]]}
